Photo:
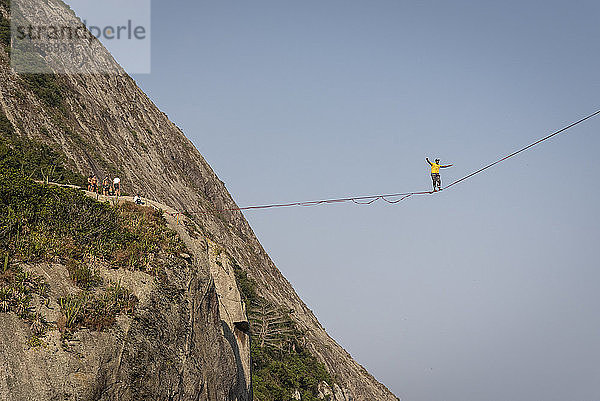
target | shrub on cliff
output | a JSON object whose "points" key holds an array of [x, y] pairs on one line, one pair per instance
{"points": [[4, 31], [33, 159], [280, 364], [46, 87]]}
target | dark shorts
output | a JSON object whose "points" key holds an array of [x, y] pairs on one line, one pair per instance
{"points": [[436, 178]]}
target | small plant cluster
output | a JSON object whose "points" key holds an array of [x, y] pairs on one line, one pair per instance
{"points": [[96, 311], [4, 32], [5, 25], [6, 128], [82, 274], [46, 87], [281, 364], [17, 288], [246, 285]]}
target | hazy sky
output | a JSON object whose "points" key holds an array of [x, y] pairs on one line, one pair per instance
{"points": [[488, 291]]}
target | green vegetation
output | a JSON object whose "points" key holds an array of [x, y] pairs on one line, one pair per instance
{"points": [[35, 160], [6, 128], [46, 87], [95, 311], [277, 375], [136, 137], [82, 275], [4, 31], [246, 285], [39, 222], [280, 363], [36, 342], [17, 287]]}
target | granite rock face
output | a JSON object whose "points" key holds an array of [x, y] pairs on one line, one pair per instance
{"points": [[107, 125], [176, 346]]}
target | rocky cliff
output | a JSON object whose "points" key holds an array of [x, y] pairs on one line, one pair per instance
{"points": [[105, 124], [172, 345]]}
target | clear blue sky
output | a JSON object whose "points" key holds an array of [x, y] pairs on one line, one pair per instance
{"points": [[485, 292]]}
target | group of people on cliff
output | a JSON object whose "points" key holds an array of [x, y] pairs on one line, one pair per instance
{"points": [[107, 188]]}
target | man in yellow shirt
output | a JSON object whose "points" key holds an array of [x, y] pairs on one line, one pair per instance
{"points": [[435, 173]]}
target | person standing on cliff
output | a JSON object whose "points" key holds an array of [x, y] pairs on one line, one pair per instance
{"points": [[105, 186], [94, 184], [435, 173], [117, 186]]}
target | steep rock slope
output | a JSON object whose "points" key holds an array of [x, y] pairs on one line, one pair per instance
{"points": [[107, 125], [103, 303]]}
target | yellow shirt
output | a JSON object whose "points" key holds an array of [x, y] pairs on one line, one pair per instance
{"points": [[435, 168]]}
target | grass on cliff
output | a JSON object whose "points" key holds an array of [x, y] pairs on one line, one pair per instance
{"points": [[6, 129], [46, 87], [39, 222], [46, 223], [5, 25], [33, 159], [277, 375], [96, 311], [4, 31], [280, 364], [17, 288]]}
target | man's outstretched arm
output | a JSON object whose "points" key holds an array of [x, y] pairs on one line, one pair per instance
{"points": [[427, 158], [447, 165]]}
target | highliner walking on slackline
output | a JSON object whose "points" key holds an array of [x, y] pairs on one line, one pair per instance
{"points": [[435, 173]]}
